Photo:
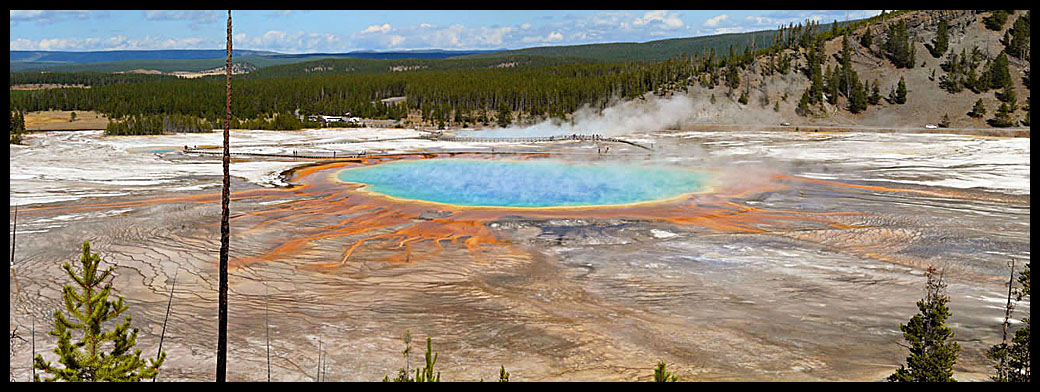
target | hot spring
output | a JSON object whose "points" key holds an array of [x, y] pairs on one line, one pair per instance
{"points": [[531, 184]]}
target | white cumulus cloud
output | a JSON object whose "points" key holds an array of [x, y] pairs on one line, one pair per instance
{"points": [[51, 16], [492, 36], [300, 41], [377, 29], [667, 20], [195, 16], [118, 42], [714, 21]]}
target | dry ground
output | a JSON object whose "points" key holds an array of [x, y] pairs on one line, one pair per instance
{"points": [[58, 120]]}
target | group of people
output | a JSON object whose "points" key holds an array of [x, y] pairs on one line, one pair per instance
{"points": [[295, 153], [575, 136]]}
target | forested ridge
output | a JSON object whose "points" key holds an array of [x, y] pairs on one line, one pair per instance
{"points": [[94, 79], [469, 90], [538, 90], [536, 86]]}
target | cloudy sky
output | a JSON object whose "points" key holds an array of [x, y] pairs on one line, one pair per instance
{"points": [[342, 31]]}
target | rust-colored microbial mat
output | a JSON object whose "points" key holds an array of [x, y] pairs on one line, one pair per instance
{"points": [[325, 210], [319, 209]]}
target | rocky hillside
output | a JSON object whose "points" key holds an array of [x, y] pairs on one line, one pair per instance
{"points": [[926, 102]]}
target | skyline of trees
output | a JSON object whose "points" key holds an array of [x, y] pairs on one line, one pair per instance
{"points": [[471, 90]]}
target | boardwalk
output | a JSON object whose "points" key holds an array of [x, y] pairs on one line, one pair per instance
{"points": [[461, 139], [544, 139], [314, 143], [360, 155]]}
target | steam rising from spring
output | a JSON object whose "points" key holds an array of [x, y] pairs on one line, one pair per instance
{"points": [[646, 114]]}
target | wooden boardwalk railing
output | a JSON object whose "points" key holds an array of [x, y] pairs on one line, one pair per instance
{"points": [[542, 139], [464, 139]]}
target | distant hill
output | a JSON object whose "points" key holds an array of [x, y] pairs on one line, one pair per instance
{"points": [[330, 66], [645, 51], [653, 50], [119, 55], [190, 60], [161, 65], [375, 55]]}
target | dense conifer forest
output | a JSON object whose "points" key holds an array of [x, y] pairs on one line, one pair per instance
{"points": [[473, 90]]}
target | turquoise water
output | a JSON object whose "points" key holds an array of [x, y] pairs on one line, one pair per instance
{"points": [[524, 183]]}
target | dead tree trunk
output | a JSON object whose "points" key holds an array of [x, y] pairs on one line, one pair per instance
{"points": [[14, 234], [33, 359], [224, 228], [14, 275], [267, 328], [162, 335]]}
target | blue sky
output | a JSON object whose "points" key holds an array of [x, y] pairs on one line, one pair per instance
{"points": [[342, 31]]}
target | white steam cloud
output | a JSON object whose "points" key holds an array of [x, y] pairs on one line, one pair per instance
{"points": [[648, 114]]}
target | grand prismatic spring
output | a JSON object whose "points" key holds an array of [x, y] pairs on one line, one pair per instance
{"points": [[737, 255], [524, 183]]}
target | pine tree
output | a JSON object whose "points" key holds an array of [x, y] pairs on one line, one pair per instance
{"points": [[945, 122], [858, 100], [833, 85], [1020, 348], [505, 116], [898, 48], [978, 110], [1009, 97], [996, 20], [662, 375], [848, 74], [1003, 117], [17, 127], [1012, 361], [88, 306], [913, 55], [743, 98], [875, 94], [998, 73], [426, 374], [1018, 44], [900, 96], [867, 39], [803, 104], [732, 76], [932, 353], [815, 61], [942, 39], [783, 64]]}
